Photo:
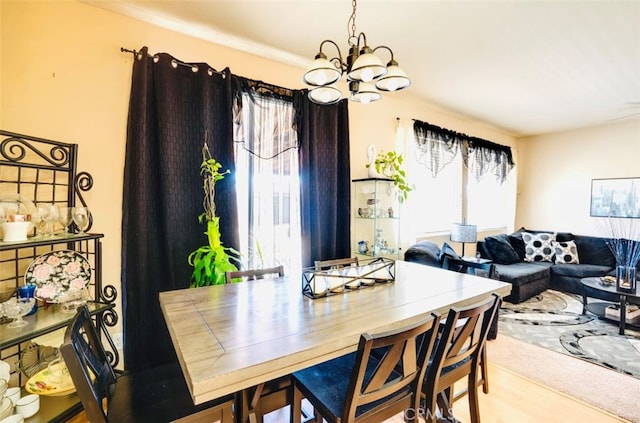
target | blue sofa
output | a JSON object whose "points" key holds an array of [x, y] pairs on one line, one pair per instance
{"points": [[531, 278]]}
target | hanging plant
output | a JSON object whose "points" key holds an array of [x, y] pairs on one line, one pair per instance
{"points": [[389, 165], [210, 262]]}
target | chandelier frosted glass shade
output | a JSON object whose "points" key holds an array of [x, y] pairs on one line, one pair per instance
{"points": [[327, 94], [321, 72], [365, 93], [367, 67], [395, 79]]}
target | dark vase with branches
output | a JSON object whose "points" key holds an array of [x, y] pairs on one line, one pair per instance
{"points": [[211, 261]]}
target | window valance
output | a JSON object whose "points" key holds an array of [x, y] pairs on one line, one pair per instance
{"points": [[436, 147]]}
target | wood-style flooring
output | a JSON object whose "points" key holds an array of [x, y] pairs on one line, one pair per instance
{"points": [[513, 399]]}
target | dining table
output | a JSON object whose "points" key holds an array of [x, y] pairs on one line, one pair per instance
{"points": [[229, 338]]}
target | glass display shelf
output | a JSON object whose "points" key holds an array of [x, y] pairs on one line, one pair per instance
{"points": [[41, 241], [45, 320], [55, 409]]}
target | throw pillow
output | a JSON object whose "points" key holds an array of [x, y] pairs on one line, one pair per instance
{"points": [[501, 249], [538, 246], [566, 252], [518, 244], [447, 250]]}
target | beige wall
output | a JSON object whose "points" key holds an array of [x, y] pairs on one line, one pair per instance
{"points": [[556, 172], [63, 77]]}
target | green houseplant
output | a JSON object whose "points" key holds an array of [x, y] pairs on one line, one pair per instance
{"points": [[211, 261], [389, 165]]}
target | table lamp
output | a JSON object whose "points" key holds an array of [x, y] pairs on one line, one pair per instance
{"points": [[461, 232]]}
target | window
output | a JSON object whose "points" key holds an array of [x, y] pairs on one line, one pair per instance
{"points": [[267, 182], [446, 191]]}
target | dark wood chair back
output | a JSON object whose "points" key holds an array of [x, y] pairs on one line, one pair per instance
{"points": [[457, 355], [336, 263], [274, 394], [382, 379], [157, 394], [486, 270], [253, 274]]}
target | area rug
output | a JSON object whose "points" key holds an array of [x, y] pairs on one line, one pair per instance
{"points": [[554, 320], [590, 383]]}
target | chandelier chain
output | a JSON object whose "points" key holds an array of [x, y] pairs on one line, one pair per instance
{"points": [[352, 21]]}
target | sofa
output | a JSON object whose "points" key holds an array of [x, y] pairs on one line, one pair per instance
{"points": [[533, 261]]}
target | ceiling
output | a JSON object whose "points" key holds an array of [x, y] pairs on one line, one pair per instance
{"points": [[528, 67]]}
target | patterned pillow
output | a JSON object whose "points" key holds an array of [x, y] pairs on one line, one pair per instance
{"points": [[537, 247], [566, 252]]}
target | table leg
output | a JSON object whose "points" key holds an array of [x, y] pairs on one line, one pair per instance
{"points": [[584, 300], [623, 312]]}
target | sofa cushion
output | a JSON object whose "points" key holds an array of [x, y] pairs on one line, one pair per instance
{"points": [[523, 272], [447, 250], [579, 271], [538, 246], [518, 245], [424, 252], [565, 252], [594, 250], [501, 250], [560, 236]]}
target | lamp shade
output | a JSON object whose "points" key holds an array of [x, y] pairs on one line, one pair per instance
{"points": [[395, 79], [464, 233], [367, 67], [327, 94], [366, 93], [321, 72]]}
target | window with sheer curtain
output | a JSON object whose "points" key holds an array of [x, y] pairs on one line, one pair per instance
{"points": [[456, 178], [267, 182]]}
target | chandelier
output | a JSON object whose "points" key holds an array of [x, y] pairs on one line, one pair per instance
{"points": [[366, 74]]}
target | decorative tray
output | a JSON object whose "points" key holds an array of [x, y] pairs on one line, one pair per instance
{"points": [[45, 383], [56, 273], [321, 283]]}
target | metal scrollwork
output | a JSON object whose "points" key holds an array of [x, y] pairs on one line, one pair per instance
{"points": [[110, 318], [15, 149], [112, 351], [109, 294]]}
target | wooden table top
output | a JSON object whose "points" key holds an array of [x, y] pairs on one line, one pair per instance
{"points": [[231, 337]]}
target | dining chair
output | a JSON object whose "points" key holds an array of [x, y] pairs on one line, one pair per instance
{"points": [[152, 395], [486, 270], [456, 356], [274, 394], [253, 274], [367, 387]]}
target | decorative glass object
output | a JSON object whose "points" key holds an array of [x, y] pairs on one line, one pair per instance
{"points": [[321, 283], [626, 278]]}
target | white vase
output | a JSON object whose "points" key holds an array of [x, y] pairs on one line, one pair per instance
{"points": [[15, 231]]}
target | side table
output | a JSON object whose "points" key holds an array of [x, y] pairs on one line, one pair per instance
{"points": [[476, 259], [596, 288]]}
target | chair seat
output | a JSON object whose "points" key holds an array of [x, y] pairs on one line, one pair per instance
{"points": [[155, 395], [330, 385]]}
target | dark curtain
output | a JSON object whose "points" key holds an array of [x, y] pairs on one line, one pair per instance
{"points": [[323, 133], [174, 108]]}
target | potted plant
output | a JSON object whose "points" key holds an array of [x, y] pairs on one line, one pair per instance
{"points": [[389, 165], [211, 261]]}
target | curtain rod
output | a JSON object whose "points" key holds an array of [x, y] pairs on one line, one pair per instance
{"points": [[175, 62]]}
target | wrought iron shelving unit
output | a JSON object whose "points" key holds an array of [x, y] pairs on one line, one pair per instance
{"points": [[46, 171]]}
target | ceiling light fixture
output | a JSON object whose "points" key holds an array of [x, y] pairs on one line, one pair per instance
{"points": [[365, 72]]}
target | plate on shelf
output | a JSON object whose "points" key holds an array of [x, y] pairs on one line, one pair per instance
{"points": [[46, 383], [57, 272], [17, 204]]}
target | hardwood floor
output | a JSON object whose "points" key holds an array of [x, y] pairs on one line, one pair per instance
{"points": [[513, 398]]}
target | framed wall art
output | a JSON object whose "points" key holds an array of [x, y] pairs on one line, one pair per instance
{"points": [[615, 197]]}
